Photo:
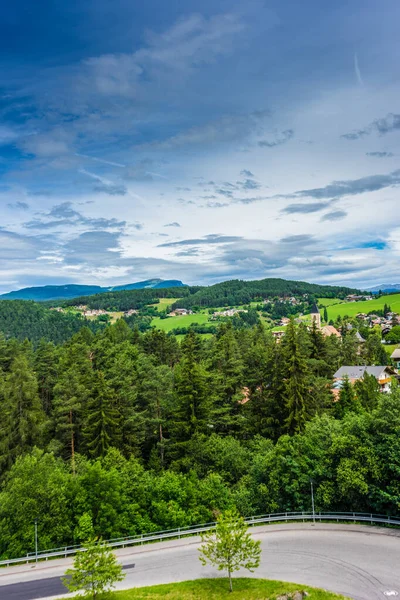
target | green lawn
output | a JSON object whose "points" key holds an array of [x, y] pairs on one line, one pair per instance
{"points": [[351, 309], [184, 321], [215, 589], [164, 303], [390, 348]]}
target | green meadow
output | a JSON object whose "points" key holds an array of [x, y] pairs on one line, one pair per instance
{"points": [[182, 321], [351, 309], [164, 303]]}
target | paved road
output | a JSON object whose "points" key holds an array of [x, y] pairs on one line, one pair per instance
{"points": [[357, 561]]}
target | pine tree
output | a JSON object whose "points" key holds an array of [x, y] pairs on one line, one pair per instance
{"points": [[193, 410], [22, 416], [264, 374], [70, 396], [297, 395], [347, 401], [367, 391], [101, 427], [326, 315], [46, 360], [227, 367]]}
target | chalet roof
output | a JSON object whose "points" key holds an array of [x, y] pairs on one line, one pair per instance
{"points": [[314, 310], [359, 337], [329, 330], [357, 372], [396, 353]]}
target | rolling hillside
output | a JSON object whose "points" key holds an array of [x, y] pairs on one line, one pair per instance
{"points": [[351, 309]]}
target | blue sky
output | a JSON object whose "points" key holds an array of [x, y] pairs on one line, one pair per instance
{"points": [[199, 141]]}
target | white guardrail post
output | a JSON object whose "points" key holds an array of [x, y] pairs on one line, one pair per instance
{"points": [[383, 520]]}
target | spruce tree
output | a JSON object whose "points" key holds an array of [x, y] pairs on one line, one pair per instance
{"points": [[347, 400], [70, 397], [297, 393], [22, 416], [193, 407], [227, 367], [101, 427]]}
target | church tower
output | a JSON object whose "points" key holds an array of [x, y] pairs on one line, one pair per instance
{"points": [[316, 316]]}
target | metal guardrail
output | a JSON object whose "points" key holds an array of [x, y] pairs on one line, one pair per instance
{"points": [[168, 534]]}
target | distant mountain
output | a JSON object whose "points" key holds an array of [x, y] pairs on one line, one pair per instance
{"points": [[154, 284], [386, 288], [69, 291]]}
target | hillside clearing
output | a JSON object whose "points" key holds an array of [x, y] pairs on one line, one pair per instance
{"points": [[328, 301], [351, 309], [182, 321], [164, 303]]}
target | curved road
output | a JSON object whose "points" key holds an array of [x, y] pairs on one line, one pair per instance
{"points": [[358, 561]]}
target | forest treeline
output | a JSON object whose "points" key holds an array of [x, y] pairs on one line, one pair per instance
{"points": [[228, 293], [26, 319], [140, 433]]}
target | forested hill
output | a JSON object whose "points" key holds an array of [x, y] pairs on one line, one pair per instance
{"points": [[25, 319], [228, 293], [127, 299], [231, 293]]}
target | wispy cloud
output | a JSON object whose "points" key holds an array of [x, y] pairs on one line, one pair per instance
{"points": [[280, 139], [101, 160], [381, 126], [380, 154], [212, 238], [305, 209], [105, 185], [335, 215]]}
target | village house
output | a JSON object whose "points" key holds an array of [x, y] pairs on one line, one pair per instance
{"points": [[382, 374], [130, 312], [395, 356], [180, 312], [328, 330], [284, 321], [230, 312], [95, 312], [278, 335]]}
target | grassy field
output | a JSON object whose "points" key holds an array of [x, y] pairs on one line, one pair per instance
{"points": [[215, 589], [164, 303], [184, 321], [351, 309], [328, 301]]}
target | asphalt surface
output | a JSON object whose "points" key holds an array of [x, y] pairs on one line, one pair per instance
{"points": [[360, 562]]}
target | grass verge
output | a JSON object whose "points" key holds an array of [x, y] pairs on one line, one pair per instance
{"points": [[215, 589]]}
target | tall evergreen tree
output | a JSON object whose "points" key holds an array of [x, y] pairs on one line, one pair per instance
{"points": [[22, 416], [299, 401], [101, 428], [347, 400], [70, 396], [227, 367], [46, 361], [193, 409]]}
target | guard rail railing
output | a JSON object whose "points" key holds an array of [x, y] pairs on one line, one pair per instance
{"points": [[157, 536]]}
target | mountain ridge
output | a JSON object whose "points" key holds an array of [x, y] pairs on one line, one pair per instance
{"points": [[74, 290]]}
